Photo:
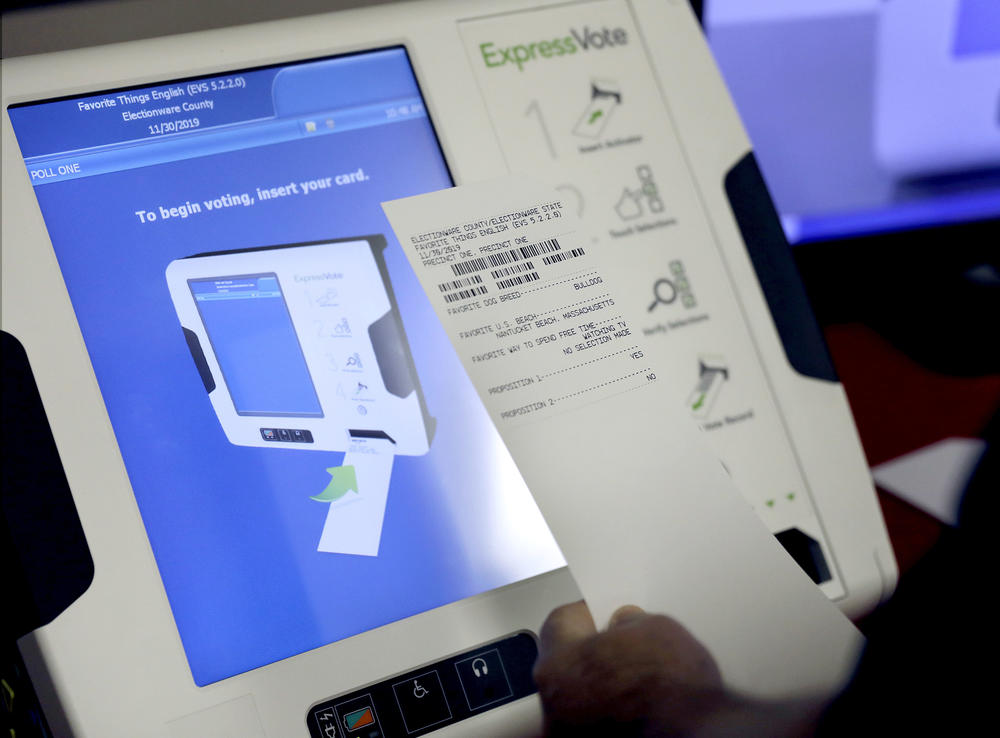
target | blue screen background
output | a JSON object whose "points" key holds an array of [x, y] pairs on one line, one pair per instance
{"points": [[255, 343], [232, 528]]}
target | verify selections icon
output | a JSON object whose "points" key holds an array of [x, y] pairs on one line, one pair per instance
{"points": [[666, 290]]}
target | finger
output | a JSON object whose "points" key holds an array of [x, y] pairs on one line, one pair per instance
{"points": [[565, 625], [625, 614]]}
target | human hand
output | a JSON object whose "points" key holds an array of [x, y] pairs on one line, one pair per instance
{"points": [[644, 675]]}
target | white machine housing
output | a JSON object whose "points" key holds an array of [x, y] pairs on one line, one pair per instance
{"points": [[112, 663]]}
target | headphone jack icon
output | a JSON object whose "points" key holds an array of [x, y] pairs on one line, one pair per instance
{"points": [[479, 667]]}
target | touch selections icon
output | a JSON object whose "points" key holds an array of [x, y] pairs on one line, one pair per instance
{"points": [[642, 200]]}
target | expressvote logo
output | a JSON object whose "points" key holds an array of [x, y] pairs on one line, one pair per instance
{"points": [[578, 40]]}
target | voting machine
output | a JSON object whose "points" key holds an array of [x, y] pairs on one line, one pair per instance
{"points": [[231, 348]]}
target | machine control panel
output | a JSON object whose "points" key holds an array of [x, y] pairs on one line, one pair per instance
{"points": [[289, 435], [431, 696]]}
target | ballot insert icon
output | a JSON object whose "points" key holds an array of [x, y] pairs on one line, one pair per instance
{"points": [[605, 96]]}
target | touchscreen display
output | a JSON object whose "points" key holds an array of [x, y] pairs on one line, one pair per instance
{"points": [[132, 181]]}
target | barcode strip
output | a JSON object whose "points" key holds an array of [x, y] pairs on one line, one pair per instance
{"points": [[457, 284], [542, 247], [512, 270], [515, 281], [468, 267], [504, 258], [556, 258], [464, 294]]}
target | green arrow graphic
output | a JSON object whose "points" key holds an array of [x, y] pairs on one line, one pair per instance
{"points": [[342, 480]]}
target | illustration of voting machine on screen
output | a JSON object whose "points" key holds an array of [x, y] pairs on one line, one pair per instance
{"points": [[301, 347]]}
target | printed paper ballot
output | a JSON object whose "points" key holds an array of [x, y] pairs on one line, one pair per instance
{"points": [[642, 510]]}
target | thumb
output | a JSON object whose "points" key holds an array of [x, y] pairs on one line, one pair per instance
{"points": [[625, 614]]}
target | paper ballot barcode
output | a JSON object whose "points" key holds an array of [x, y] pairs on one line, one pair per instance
{"points": [[556, 258], [457, 284], [464, 294], [515, 281], [513, 269], [474, 282], [503, 258]]}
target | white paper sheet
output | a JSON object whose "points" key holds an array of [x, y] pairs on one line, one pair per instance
{"points": [[642, 510], [354, 521]]}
